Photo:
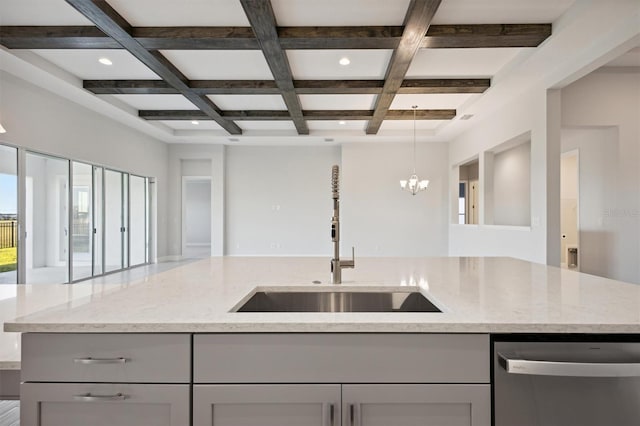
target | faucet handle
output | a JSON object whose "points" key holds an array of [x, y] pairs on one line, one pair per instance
{"points": [[349, 263]]}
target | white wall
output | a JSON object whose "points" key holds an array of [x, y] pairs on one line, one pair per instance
{"points": [[380, 219], [609, 169], [528, 114], [569, 201], [278, 200], [512, 186], [39, 120]]}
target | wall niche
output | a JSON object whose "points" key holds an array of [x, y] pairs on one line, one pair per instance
{"points": [[507, 174]]}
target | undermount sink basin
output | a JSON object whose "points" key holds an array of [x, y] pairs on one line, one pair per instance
{"points": [[337, 301]]}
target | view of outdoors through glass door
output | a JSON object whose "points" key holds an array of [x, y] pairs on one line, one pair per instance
{"points": [[82, 221], [115, 221], [79, 220], [47, 219], [8, 214]]}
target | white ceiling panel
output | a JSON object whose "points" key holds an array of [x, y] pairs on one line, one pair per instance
{"points": [[174, 13], [40, 12], [84, 64], [335, 125], [500, 11], [156, 101], [408, 125], [266, 125], [188, 125], [454, 63], [323, 64], [339, 12], [220, 64], [337, 102], [432, 101], [248, 102]]}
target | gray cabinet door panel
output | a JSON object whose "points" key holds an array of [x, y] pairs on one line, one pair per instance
{"points": [[341, 358], [266, 405], [416, 405], [53, 404], [147, 358]]}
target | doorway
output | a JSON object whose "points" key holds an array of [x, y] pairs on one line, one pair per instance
{"points": [[569, 210], [196, 216]]}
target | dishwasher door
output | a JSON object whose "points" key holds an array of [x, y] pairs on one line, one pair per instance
{"points": [[566, 383]]}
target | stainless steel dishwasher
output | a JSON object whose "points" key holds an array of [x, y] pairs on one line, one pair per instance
{"points": [[553, 382]]}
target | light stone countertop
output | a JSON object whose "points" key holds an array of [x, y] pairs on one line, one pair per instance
{"points": [[477, 295]]}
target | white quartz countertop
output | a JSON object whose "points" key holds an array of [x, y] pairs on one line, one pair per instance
{"points": [[477, 295]]}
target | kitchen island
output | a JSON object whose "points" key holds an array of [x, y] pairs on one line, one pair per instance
{"points": [[171, 345]]}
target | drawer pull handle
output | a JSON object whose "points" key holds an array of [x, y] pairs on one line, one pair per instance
{"points": [[93, 398], [93, 361], [328, 414]]}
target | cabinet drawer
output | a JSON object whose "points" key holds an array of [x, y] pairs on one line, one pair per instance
{"points": [[114, 358], [82, 404], [341, 358]]}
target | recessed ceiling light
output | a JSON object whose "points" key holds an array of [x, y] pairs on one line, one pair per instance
{"points": [[233, 139], [342, 122], [344, 61], [105, 61], [195, 122], [466, 117], [329, 139]]}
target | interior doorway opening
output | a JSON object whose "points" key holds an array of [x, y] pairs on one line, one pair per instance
{"points": [[569, 206], [196, 216]]}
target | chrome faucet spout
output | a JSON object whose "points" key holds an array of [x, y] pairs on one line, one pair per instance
{"points": [[336, 264]]}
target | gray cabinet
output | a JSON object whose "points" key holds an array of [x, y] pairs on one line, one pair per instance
{"points": [[105, 379], [420, 380], [266, 405], [82, 404], [416, 405]]}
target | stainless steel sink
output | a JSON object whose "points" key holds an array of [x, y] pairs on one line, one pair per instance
{"points": [[342, 301]]}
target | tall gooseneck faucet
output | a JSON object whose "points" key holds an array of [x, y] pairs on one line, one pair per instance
{"points": [[336, 263]]}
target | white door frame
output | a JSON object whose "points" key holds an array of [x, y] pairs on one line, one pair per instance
{"points": [[183, 232]]}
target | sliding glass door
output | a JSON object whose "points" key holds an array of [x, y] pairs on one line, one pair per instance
{"points": [[64, 221], [138, 217], [47, 219], [115, 221], [8, 215], [81, 221]]}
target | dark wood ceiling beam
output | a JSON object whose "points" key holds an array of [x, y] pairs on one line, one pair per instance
{"points": [[267, 115], [417, 21], [115, 26], [492, 35], [263, 21], [306, 87], [243, 38]]}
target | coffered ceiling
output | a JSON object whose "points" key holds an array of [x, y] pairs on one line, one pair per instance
{"points": [[215, 70]]}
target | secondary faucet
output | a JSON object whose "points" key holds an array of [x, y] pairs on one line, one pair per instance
{"points": [[336, 263]]}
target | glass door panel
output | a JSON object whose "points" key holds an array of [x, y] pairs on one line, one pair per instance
{"points": [[138, 219], [114, 228], [125, 220], [82, 221], [98, 221], [47, 219], [8, 215]]}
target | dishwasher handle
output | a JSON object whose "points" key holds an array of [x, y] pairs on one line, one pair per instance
{"points": [[516, 365]]}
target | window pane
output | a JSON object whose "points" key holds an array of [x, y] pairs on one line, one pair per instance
{"points": [[82, 218], [8, 215], [113, 220], [138, 220], [47, 219], [98, 215]]}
